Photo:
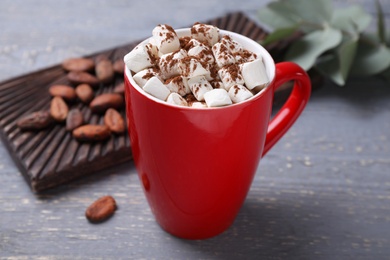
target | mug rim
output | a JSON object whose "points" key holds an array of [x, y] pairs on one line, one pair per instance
{"points": [[248, 43]]}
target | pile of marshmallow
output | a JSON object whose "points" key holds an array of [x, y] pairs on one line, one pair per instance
{"points": [[201, 70]]}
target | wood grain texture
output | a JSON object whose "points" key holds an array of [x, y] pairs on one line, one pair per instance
{"points": [[323, 192]]}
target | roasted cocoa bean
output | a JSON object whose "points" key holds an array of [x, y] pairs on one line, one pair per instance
{"points": [[120, 88], [104, 101], [104, 71], [66, 92], [78, 64], [101, 209], [74, 119], [35, 121], [119, 66], [90, 133], [114, 121], [80, 77], [85, 93], [58, 109]]}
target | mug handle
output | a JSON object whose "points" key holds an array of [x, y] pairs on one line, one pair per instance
{"points": [[290, 111]]}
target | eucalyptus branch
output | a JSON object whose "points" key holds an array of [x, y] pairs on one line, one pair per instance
{"points": [[336, 33]]}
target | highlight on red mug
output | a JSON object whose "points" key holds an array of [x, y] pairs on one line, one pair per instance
{"points": [[197, 165]]}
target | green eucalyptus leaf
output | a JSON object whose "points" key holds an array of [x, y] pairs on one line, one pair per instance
{"points": [[338, 65], [279, 34], [330, 67], [380, 23], [277, 15], [306, 50], [371, 59], [346, 54], [313, 11], [287, 13], [352, 19]]}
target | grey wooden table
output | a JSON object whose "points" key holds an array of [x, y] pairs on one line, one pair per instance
{"points": [[323, 192]]}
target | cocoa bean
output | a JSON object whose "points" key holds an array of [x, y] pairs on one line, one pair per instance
{"points": [[104, 71], [85, 93], [90, 133], [114, 121], [74, 119], [119, 66], [78, 64], [66, 92], [104, 101], [35, 121], [120, 88], [80, 77], [101, 209], [58, 109]]}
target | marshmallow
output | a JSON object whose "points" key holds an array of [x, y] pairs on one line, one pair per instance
{"points": [[156, 88], [240, 54], [176, 99], [201, 52], [166, 38], [217, 98], [169, 63], [199, 86], [231, 44], [201, 70], [222, 55], [239, 93], [178, 85], [143, 56], [191, 67], [254, 74], [244, 56], [205, 33], [231, 75], [144, 75], [191, 42], [199, 105]]}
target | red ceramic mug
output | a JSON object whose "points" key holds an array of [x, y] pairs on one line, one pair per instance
{"points": [[196, 165]]}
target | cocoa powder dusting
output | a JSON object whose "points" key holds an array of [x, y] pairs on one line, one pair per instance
{"points": [[196, 89], [153, 59], [245, 54], [206, 55], [190, 98], [148, 75], [214, 71], [169, 61], [236, 89], [216, 84], [171, 32], [234, 71], [186, 61], [176, 80], [200, 29], [184, 41], [170, 29]]}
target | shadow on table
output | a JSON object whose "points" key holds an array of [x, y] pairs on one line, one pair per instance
{"points": [[266, 230], [361, 95]]}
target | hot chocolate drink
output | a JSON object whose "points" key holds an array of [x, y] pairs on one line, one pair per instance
{"points": [[205, 69]]}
